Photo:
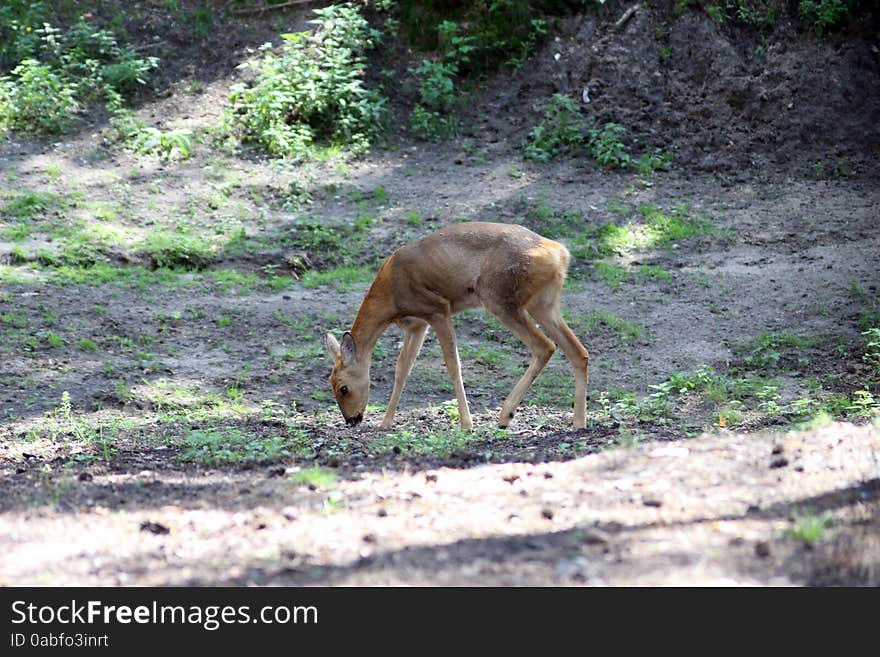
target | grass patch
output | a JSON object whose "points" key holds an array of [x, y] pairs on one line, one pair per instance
{"points": [[345, 278], [315, 477], [591, 322], [178, 250], [439, 444], [809, 527], [776, 351], [224, 445], [649, 227]]}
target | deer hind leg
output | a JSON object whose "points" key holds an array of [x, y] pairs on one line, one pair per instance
{"points": [[442, 325], [414, 331], [545, 309], [542, 349]]}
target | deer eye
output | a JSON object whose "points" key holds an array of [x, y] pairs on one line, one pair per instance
{"points": [[343, 391]]}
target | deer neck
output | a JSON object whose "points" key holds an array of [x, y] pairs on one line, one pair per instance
{"points": [[373, 317]]}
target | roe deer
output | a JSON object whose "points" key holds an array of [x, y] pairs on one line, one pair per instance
{"points": [[507, 269]]}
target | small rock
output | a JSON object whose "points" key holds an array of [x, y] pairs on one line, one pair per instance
{"points": [[154, 527], [781, 462], [547, 513], [381, 513], [577, 568], [651, 500], [762, 548], [289, 513], [369, 538], [777, 449], [430, 479], [595, 537], [548, 475], [276, 472], [510, 478], [84, 476]]}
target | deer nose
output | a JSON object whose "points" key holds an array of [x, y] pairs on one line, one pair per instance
{"points": [[355, 419]]}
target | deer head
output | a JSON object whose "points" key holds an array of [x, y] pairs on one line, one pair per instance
{"points": [[350, 379]]}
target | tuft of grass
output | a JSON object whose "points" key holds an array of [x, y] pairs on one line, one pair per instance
{"points": [[178, 250], [315, 476], [809, 527], [611, 274], [624, 330], [658, 228], [224, 445], [776, 350], [344, 278], [87, 345], [439, 444]]}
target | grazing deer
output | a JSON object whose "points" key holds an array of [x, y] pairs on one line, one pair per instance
{"points": [[507, 269]]}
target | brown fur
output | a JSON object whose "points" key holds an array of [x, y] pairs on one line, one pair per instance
{"points": [[507, 269]]}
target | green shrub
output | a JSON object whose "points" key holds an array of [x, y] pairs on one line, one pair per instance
{"points": [[561, 128], [495, 33], [140, 138], [432, 118], [872, 349], [437, 91], [18, 40], [178, 250], [760, 13], [606, 147], [35, 98], [823, 13], [60, 70], [313, 91]]}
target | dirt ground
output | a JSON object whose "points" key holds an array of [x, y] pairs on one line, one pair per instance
{"points": [[106, 485]]}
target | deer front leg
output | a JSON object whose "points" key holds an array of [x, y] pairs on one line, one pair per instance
{"points": [[413, 337], [442, 326]]}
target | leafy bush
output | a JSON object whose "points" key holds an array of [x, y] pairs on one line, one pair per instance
{"points": [[60, 70], [760, 13], [313, 91], [606, 147], [872, 349], [432, 125], [562, 127], [37, 99], [178, 250], [432, 118], [498, 32], [18, 40], [140, 138], [823, 13], [437, 91]]}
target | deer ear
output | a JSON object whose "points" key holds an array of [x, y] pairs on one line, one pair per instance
{"points": [[349, 351], [332, 346]]}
